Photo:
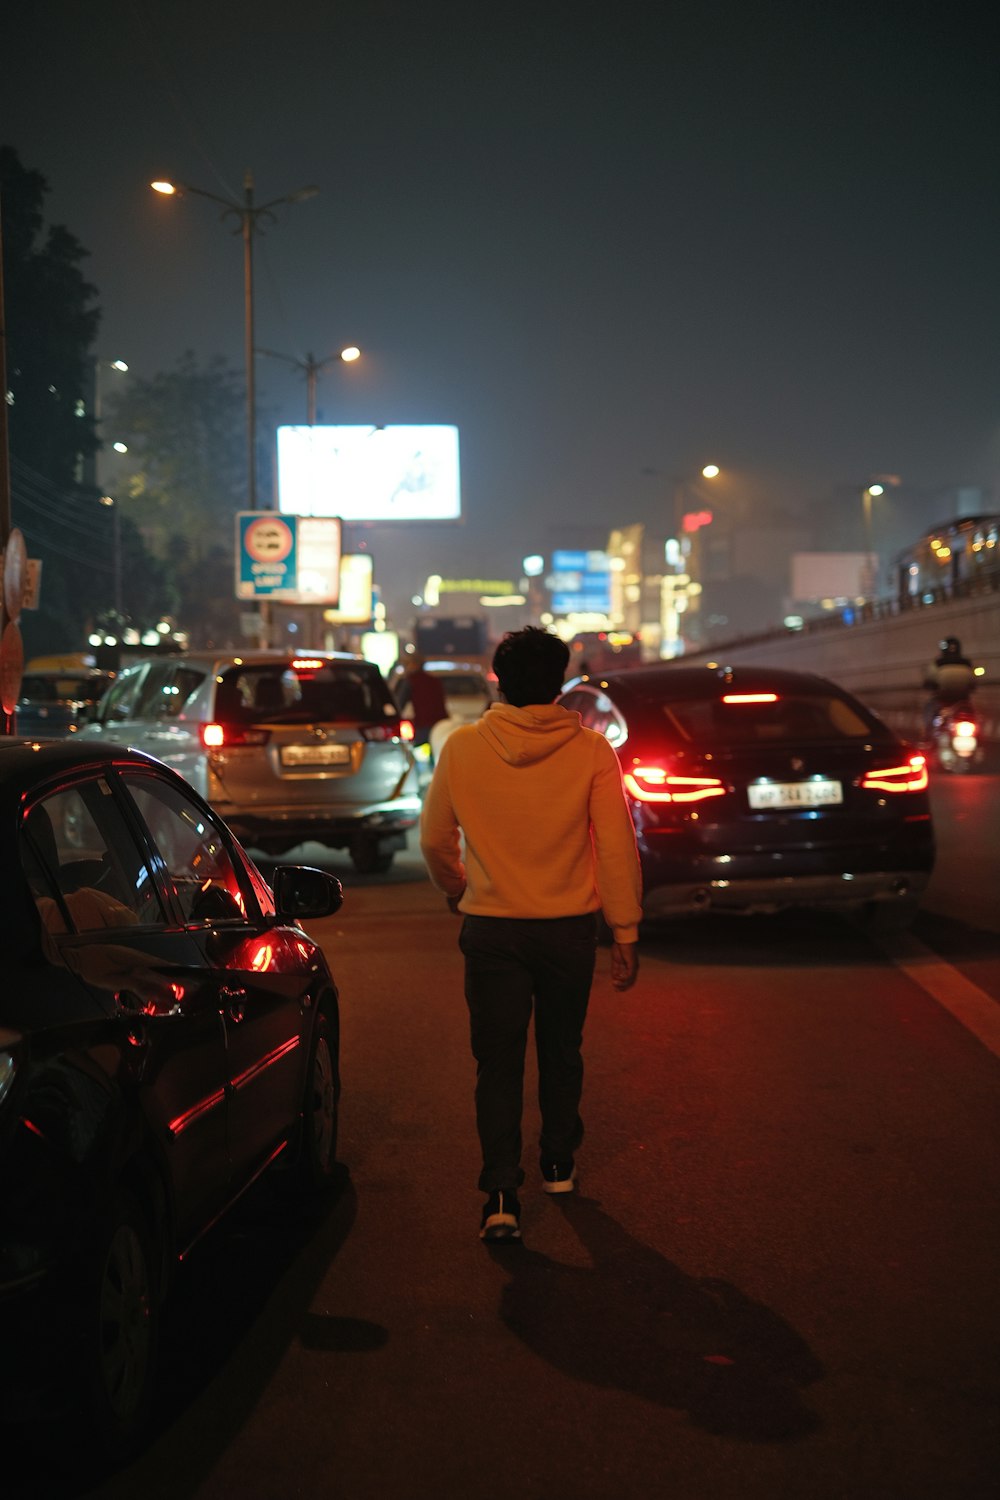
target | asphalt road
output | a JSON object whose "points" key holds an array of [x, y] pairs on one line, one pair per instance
{"points": [[779, 1278]]}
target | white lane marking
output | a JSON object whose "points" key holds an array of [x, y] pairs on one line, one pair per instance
{"points": [[974, 1008]]}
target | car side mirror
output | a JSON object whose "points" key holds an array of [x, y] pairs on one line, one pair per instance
{"points": [[300, 892]]}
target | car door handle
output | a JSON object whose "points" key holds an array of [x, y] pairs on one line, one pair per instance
{"points": [[234, 1002]]}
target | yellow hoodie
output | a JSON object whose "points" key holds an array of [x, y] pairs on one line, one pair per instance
{"points": [[547, 829]]}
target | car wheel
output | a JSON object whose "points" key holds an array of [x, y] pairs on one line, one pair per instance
{"points": [[368, 858], [317, 1162], [119, 1331]]}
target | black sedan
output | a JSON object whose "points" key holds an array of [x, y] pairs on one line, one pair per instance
{"points": [[754, 789], [168, 1032]]}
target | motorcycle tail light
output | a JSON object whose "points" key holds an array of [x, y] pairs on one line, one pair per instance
{"points": [[650, 783], [215, 736], [965, 729], [909, 777]]}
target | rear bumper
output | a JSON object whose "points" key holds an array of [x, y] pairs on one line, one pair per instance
{"points": [[681, 875], [335, 827], [780, 892]]}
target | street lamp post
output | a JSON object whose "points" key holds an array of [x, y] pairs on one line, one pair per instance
{"points": [[871, 492], [116, 538], [251, 217], [313, 368]]}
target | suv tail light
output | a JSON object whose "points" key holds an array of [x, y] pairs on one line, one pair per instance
{"points": [[657, 784], [392, 729], [911, 777], [217, 736]]}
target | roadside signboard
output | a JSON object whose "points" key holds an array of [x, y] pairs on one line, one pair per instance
{"points": [[291, 559]]}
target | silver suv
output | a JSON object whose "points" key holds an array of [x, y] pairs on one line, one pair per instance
{"points": [[286, 747]]}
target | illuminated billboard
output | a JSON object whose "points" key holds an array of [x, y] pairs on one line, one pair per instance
{"points": [[580, 582], [370, 473]]}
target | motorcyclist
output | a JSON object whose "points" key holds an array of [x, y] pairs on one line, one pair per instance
{"points": [[950, 678]]}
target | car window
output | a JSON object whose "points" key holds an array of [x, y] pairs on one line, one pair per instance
{"points": [[120, 701], [344, 692], [167, 688], [85, 869], [196, 860], [734, 719], [153, 695], [463, 685]]}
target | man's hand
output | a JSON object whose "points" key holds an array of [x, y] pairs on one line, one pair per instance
{"points": [[453, 902], [624, 965]]}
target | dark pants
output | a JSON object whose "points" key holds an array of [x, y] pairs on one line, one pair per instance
{"points": [[508, 963]]}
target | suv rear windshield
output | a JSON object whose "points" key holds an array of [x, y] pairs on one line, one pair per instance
{"points": [[734, 719], [333, 692]]}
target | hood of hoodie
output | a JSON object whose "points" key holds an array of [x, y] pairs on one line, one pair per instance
{"points": [[523, 736]]}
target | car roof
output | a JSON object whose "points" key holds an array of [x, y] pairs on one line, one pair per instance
{"points": [[253, 658], [26, 762], [655, 681]]}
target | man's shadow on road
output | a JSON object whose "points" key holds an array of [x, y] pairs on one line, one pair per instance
{"points": [[636, 1322]]}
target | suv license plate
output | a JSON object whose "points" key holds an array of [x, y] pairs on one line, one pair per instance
{"points": [[315, 755], [795, 794]]}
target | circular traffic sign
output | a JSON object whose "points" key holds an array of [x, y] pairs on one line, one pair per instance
{"points": [[269, 540], [11, 666], [15, 575]]}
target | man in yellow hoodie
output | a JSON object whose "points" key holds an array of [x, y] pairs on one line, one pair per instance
{"points": [[526, 830]]}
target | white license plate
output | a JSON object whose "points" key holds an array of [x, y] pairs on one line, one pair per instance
{"points": [[315, 755], [795, 794]]}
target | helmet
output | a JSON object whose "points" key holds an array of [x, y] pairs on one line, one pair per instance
{"points": [[951, 646]]}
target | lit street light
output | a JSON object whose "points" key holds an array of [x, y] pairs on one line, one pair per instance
{"points": [[251, 217], [90, 473], [314, 367], [871, 492]]}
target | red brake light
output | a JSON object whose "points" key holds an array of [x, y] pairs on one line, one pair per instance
{"points": [[966, 728], [306, 667], [406, 729], [750, 698], [216, 736], [656, 784], [911, 777], [391, 730]]}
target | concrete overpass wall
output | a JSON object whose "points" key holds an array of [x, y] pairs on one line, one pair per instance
{"points": [[882, 659]]}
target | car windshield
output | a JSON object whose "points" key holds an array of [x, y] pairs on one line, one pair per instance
{"points": [[340, 692], [461, 685], [763, 718]]}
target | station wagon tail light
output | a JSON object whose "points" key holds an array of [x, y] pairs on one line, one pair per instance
{"points": [[909, 777], [406, 730], [217, 736], [657, 784]]}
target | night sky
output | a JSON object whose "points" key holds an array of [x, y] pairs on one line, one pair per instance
{"points": [[610, 243]]}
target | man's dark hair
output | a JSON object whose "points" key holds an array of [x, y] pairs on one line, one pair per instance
{"points": [[530, 665]]}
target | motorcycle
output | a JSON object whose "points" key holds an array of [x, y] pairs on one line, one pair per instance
{"points": [[956, 738]]}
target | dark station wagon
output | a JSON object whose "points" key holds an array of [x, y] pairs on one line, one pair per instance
{"points": [[754, 789]]}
